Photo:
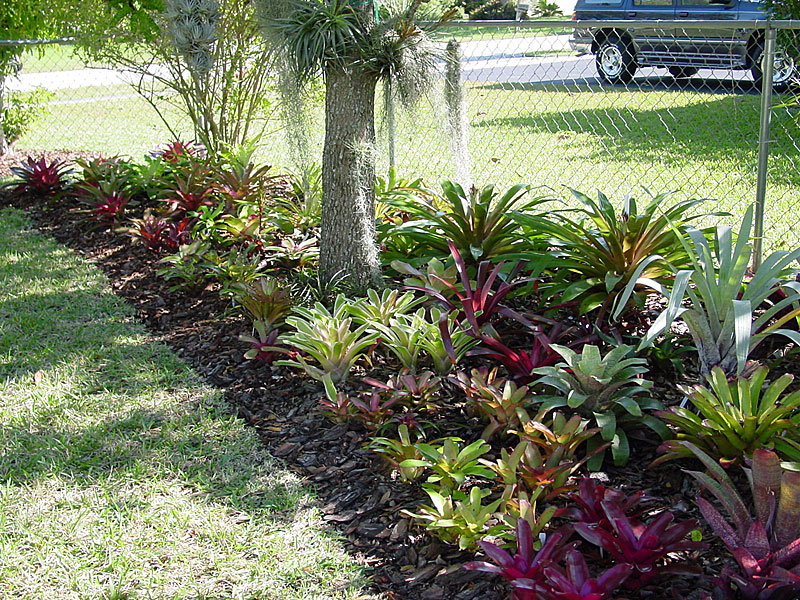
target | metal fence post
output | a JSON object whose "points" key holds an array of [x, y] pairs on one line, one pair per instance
{"points": [[767, 67]]}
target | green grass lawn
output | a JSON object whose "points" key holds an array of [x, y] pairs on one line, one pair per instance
{"points": [[122, 475]]}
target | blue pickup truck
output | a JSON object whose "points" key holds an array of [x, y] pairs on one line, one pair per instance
{"points": [[620, 50]]}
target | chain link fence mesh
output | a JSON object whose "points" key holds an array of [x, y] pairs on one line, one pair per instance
{"points": [[534, 111]]}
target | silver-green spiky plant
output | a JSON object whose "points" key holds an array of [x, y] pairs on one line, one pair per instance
{"points": [[192, 27]]}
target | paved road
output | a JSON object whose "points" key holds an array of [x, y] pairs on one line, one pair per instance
{"points": [[515, 60]]}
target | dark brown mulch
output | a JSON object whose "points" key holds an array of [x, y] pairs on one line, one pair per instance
{"points": [[357, 495]]}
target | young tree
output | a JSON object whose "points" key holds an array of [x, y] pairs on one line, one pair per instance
{"points": [[354, 44], [208, 52]]}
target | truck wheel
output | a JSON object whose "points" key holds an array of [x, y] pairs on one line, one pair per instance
{"points": [[682, 72], [615, 60], [783, 68]]}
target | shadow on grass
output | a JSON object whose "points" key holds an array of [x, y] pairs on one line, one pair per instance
{"points": [[105, 402], [709, 128]]}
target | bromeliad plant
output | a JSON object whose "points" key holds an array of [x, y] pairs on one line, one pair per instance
{"points": [[264, 300], [450, 464], [765, 545], [326, 338], [399, 450], [189, 266], [525, 570], [556, 431], [500, 402], [611, 254], [736, 417], [264, 346], [608, 390], [442, 339], [437, 276], [476, 223], [722, 318], [478, 303], [40, 179], [465, 520], [419, 390], [645, 547], [522, 364], [381, 309]]}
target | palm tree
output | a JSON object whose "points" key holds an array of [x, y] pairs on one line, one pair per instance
{"points": [[354, 44]]}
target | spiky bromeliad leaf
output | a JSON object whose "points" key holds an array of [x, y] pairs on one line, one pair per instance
{"points": [[314, 33]]}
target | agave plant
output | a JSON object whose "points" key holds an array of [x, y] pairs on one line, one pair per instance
{"points": [[477, 223], [607, 390], [723, 298], [326, 338], [765, 545], [736, 417]]}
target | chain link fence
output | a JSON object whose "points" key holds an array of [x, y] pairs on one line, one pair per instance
{"points": [[532, 108]]}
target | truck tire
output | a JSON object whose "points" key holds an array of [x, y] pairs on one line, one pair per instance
{"points": [[784, 69], [615, 60]]}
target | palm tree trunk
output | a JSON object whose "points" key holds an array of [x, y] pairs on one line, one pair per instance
{"points": [[347, 244]]}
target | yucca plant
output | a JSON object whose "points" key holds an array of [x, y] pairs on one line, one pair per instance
{"points": [[736, 417], [721, 319], [608, 390], [477, 223], [765, 545], [612, 253], [326, 338]]}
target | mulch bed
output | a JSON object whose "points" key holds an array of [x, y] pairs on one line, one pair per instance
{"points": [[358, 496]]}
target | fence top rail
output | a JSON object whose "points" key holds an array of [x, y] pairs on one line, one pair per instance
{"points": [[687, 23], [67, 40]]}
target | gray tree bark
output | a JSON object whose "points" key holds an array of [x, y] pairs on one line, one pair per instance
{"points": [[347, 242]]}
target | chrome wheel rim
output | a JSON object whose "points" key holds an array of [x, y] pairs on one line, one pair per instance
{"points": [[611, 61]]}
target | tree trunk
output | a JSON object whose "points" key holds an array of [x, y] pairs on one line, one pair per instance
{"points": [[4, 147], [347, 245]]}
